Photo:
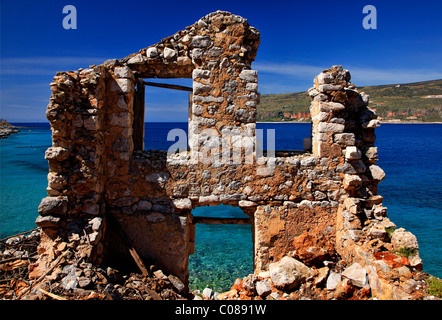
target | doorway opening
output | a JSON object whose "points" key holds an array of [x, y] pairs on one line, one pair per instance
{"points": [[223, 252]]}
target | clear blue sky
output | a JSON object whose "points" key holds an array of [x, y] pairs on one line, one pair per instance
{"points": [[298, 40]]}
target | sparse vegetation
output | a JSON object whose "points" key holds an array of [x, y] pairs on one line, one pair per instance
{"points": [[390, 231], [434, 286], [406, 252], [406, 102]]}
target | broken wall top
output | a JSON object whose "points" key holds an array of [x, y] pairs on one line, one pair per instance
{"points": [[212, 39]]}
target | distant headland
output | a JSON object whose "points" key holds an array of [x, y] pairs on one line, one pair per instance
{"points": [[6, 129], [418, 102]]}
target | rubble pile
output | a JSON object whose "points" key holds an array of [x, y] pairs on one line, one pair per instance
{"points": [[72, 279]]}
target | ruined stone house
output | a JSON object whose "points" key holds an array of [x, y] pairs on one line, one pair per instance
{"points": [[313, 205]]}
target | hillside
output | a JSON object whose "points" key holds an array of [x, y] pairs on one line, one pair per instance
{"points": [[412, 102]]}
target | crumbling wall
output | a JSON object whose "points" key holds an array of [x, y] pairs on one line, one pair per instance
{"points": [[313, 206], [344, 126]]}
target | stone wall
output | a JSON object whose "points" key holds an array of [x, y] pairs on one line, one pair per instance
{"points": [[313, 206], [343, 126]]}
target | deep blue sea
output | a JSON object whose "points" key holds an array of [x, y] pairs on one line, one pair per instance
{"points": [[410, 155]]}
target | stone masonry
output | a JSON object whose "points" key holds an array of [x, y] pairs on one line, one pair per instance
{"points": [[314, 205]]}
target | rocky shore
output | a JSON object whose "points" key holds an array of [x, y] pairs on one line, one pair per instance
{"points": [[6, 129], [70, 278]]}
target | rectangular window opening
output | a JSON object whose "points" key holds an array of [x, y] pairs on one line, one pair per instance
{"points": [[290, 139], [160, 105]]}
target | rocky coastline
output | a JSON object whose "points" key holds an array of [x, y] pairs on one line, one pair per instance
{"points": [[6, 129]]}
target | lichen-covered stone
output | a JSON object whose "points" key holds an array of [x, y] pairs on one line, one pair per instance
{"points": [[402, 239], [288, 272]]}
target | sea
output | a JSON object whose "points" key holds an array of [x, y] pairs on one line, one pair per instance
{"points": [[410, 155]]}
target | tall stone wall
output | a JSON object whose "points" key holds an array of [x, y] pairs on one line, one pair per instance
{"points": [[343, 126], [313, 206], [96, 155]]}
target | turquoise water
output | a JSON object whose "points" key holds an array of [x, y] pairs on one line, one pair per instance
{"points": [[222, 252], [410, 155], [23, 178]]}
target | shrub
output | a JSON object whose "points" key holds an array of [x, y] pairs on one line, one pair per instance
{"points": [[434, 286], [406, 252]]}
